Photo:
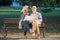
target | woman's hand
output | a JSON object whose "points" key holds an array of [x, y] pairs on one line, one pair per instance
{"points": [[20, 27]]}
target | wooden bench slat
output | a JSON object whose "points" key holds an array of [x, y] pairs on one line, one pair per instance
{"points": [[11, 27], [11, 20]]}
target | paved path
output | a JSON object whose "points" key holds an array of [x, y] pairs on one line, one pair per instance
{"points": [[18, 36], [48, 38], [51, 37]]}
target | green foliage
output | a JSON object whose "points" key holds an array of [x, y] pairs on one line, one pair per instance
{"points": [[46, 10], [5, 2]]}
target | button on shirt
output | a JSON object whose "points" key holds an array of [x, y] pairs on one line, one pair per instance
{"points": [[38, 15]]}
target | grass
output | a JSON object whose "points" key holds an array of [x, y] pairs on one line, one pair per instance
{"points": [[53, 13], [6, 11]]}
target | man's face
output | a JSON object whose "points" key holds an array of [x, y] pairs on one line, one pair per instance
{"points": [[34, 9]]}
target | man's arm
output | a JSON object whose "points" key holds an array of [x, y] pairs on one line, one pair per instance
{"points": [[40, 17]]}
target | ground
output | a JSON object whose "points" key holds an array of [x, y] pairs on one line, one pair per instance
{"points": [[19, 36], [47, 38]]}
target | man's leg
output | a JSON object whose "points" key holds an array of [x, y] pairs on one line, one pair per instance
{"points": [[38, 30], [33, 27]]}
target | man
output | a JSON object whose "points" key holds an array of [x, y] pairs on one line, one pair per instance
{"points": [[36, 22]]}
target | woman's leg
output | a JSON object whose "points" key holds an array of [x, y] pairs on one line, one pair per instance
{"points": [[26, 28], [25, 25]]}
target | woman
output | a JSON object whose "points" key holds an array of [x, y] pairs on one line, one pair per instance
{"points": [[24, 23]]}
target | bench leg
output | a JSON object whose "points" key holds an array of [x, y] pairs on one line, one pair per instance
{"points": [[4, 31], [43, 32]]}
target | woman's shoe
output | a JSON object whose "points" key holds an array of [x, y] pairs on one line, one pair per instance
{"points": [[30, 30], [25, 36]]}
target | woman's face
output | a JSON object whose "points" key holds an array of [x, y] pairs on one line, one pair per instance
{"points": [[34, 9], [26, 9]]}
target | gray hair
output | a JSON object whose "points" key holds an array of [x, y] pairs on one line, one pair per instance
{"points": [[34, 7]]}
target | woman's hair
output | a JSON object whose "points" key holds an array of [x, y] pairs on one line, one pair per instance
{"points": [[24, 7]]}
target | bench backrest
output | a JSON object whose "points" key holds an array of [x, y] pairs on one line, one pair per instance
{"points": [[11, 22], [8, 22]]}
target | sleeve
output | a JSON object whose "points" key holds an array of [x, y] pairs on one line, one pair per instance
{"points": [[40, 17], [21, 15]]}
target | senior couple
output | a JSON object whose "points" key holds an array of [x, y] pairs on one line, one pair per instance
{"points": [[32, 27]]}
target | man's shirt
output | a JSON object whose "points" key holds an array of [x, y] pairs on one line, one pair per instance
{"points": [[38, 15]]}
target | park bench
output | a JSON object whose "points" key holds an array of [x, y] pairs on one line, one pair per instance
{"points": [[9, 21]]}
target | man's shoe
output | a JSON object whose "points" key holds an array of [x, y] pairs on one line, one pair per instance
{"points": [[38, 37], [33, 34]]}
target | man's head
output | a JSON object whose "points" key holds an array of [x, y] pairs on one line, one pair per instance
{"points": [[34, 9]]}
